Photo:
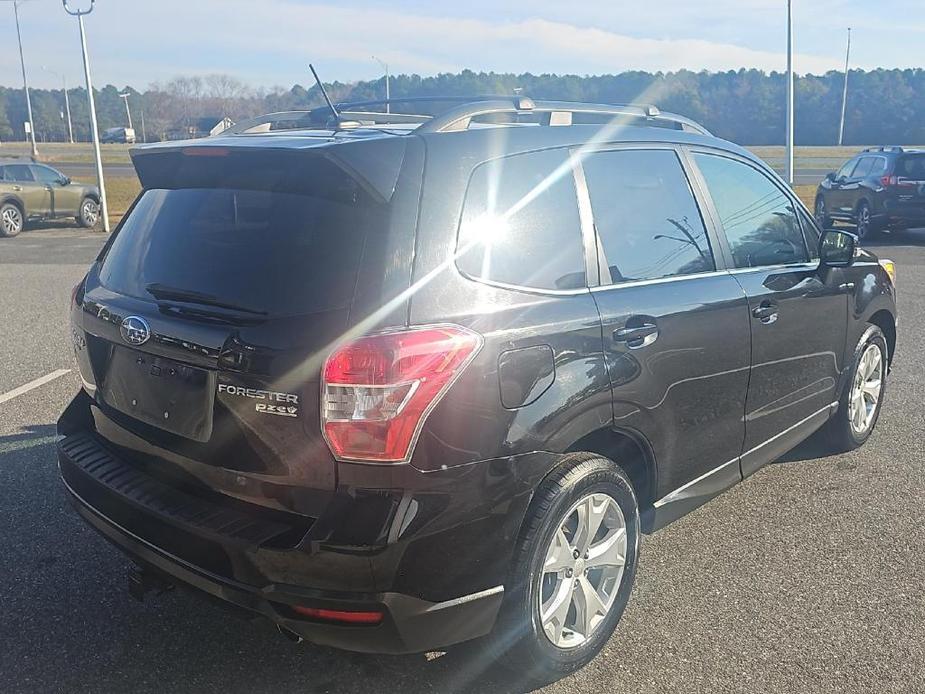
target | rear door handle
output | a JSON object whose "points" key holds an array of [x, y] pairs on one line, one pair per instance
{"points": [[17, 188], [638, 336], [766, 312]]}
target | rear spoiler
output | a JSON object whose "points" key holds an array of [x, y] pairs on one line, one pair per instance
{"points": [[374, 163]]}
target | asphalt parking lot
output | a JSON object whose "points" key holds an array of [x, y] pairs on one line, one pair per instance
{"points": [[808, 577]]}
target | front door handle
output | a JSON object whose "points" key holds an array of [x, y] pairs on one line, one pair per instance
{"points": [[637, 336], [766, 312]]}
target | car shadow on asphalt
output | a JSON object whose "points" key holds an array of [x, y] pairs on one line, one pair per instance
{"points": [[66, 604], [812, 448]]}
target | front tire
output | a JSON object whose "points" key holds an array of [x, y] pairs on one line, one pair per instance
{"points": [[822, 213], [88, 215], [859, 406], [12, 220], [865, 224], [573, 569]]}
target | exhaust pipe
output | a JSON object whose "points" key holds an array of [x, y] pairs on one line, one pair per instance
{"points": [[142, 581], [289, 634]]}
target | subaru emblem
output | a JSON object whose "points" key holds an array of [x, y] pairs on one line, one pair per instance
{"points": [[135, 330]]}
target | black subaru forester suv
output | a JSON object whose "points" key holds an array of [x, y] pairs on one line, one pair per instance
{"points": [[880, 188], [397, 381]]}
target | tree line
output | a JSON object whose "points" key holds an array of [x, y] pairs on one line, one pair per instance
{"points": [[745, 106]]}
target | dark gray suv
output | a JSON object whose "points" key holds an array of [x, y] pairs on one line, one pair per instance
{"points": [[396, 380]]}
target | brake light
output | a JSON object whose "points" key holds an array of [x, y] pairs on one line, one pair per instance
{"points": [[205, 151], [378, 390], [887, 181]]}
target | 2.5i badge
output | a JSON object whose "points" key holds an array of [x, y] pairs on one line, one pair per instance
{"points": [[273, 402]]}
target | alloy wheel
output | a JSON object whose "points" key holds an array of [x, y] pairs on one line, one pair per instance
{"points": [[863, 221], [866, 390], [582, 570], [11, 219], [820, 212], [90, 212]]}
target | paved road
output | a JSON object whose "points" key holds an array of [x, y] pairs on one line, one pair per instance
{"points": [[806, 578]]}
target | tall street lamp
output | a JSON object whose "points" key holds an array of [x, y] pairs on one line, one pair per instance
{"points": [[385, 66], [128, 112], [67, 104], [844, 96], [789, 137], [25, 82], [94, 129]]}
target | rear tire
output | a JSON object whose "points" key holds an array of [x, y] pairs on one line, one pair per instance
{"points": [[859, 406], [88, 215], [560, 609], [12, 220]]}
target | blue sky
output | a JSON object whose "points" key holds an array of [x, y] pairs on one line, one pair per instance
{"points": [[268, 42]]}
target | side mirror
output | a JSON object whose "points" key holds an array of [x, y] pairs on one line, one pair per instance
{"points": [[64, 181], [830, 177], [837, 248]]}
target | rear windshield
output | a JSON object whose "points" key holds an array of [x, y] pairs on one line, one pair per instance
{"points": [[281, 253], [911, 166]]}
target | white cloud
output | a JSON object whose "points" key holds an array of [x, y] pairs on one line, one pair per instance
{"points": [[269, 42]]}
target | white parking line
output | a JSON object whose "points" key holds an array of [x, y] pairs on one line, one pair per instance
{"points": [[32, 385]]}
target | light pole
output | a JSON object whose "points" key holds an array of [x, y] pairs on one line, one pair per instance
{"points": [[67, 104], [385, 66], [144, 134], [25, 83], [844, 96], [789, 136], [94, 130], [128, 112]]}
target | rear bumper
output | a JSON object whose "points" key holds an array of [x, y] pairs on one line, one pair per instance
{"points": [[409, 625], [129, 508]]}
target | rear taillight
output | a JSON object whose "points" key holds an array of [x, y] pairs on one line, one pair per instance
{"points": [[896, 182], [378, 389]]}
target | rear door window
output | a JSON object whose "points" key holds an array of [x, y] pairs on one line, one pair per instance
{"points": [[879, 167], [520, 223], [759, 220], [276, 252], [645, 215], [20, 173]]}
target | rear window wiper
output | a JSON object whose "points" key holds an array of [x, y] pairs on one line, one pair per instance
{"points": [[162, 291]]}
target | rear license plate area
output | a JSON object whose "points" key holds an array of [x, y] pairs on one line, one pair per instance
{"points": [[164, 393]]}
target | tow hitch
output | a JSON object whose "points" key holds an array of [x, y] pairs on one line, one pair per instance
{"points": [[142, 581]]}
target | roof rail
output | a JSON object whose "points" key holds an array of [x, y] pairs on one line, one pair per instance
{"points": [[885, 148], [351, 114], [556, 113]]}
